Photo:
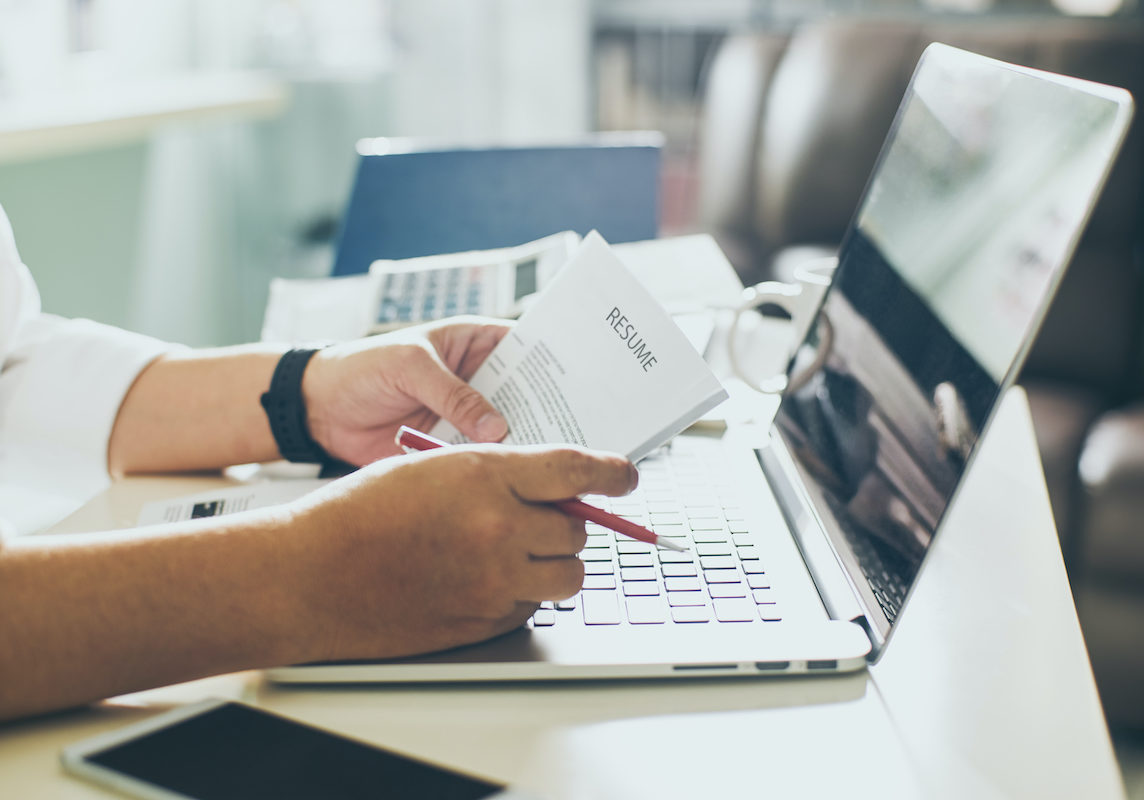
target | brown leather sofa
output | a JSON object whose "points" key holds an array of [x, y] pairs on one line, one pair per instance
{"points": [[792, 123]]}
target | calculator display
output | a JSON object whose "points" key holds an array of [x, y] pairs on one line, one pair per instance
{"points": [[525, 279]]}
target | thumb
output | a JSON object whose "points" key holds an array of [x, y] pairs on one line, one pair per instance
{"points": [[455, 401]]}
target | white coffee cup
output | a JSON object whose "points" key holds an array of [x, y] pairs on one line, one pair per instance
{"points": [[800, 299]]}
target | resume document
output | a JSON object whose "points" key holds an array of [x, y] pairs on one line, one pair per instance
{"points": [[595, 361]]}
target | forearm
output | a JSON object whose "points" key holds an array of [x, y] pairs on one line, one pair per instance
{"points": [[91, 616], [196, 410]]}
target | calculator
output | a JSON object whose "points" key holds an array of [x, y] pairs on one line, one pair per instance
{"points": [[492, 283]]}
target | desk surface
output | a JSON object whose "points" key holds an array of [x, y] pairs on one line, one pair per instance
{"points": [[985, 690]]}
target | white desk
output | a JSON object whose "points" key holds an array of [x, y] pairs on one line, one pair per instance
{"points": [[984, 691]]}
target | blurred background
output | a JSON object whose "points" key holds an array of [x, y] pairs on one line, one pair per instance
{"points": [[160, 162]]}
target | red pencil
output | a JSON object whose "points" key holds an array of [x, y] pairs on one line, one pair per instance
{"points": [[412, 439]]}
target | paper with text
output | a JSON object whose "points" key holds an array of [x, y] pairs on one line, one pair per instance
{"points": [[226, 500], [596, 361]]}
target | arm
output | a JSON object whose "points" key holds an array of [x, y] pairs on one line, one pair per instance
{"points": [[196, 410], [404, 556], [200, 409]]}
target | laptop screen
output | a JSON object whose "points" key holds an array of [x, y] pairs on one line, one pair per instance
{"points": [[972, 211]]}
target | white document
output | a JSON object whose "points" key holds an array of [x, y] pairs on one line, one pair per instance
{"points": [[595, 361], [227, 500]]}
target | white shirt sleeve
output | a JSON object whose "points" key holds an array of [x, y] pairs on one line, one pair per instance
{"points": [[61, 380]]}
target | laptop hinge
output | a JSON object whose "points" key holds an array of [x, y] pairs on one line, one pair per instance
{"points": [[876, 642], [834, 587]]}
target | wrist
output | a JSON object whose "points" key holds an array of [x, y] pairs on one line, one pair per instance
{"points": [[316, 529], [314, 381], [285, 404], [288, 544]]}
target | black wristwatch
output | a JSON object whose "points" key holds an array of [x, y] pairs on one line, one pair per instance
{"points": [[286, 409]]}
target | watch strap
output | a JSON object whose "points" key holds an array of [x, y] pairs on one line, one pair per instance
{"points": [[286, 409]]}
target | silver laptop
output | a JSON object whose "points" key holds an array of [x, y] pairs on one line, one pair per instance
{"points": [[807, 538]]}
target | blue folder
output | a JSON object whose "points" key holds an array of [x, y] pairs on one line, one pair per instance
{"points": [[428, 201]]}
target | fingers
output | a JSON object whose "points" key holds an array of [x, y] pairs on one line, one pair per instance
{"points": [[465, 342], [549, 532], [448, 396], [552, 579], [544, 473]]}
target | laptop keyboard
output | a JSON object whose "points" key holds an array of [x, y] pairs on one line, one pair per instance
{"points": [[886, 582], [683, 495]]}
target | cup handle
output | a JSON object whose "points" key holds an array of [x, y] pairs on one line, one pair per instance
{"points": [[785, 296]]}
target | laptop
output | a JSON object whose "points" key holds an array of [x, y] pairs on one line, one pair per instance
{"points": [[806, 537]]}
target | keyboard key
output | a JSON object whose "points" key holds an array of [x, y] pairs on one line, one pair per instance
{"points": [[763, 595], [599, 582], [721, 576], [753, 567], [600, 608], [681, 584], [665, 518], [727, 590], [686, 599], [543, 618], [718, 562], [678, 570], [715, 536], [674, 531], [641, 589], [591, 553], [673, 557], [758, 581], [568, 604], [713, 549], [629, 547], [705, 523], [646, 610], [748, 553], [742, 539], [690, 614], [637, 560], [769, 612], [598, 567], [734, 609], [695, 512], [638, 573]]}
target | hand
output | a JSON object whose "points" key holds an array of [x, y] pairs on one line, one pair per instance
{"points": [[442, 548], [358, 393]]}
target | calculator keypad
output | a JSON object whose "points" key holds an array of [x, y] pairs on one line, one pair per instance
{"points": [[409, 297]]}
